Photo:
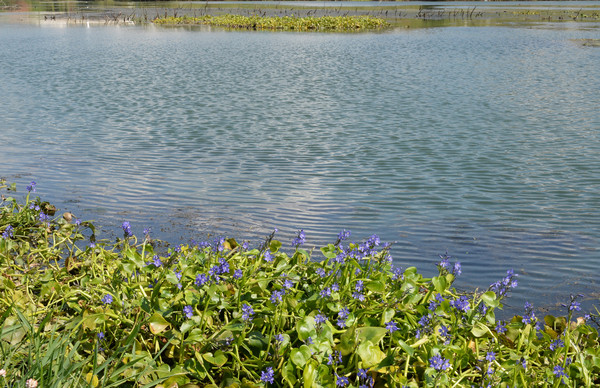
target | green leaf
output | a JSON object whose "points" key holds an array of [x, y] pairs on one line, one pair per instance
{"points": [[370, 354], [219, 359], [377, 287], [479, 330], [300, 356], [310, 374], [407, 348], [440, 283], [372, 334], [347, 341], [306, 328], [158, 324], [289, 373]]}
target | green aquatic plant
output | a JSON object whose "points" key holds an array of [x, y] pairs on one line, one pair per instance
{"points": [[286, 23], [80, 312]]}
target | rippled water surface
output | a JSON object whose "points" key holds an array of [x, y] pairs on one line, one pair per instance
{"points": [[483, 142]]}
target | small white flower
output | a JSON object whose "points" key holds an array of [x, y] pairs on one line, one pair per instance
{"points": [[31, 383], [2, 372]]}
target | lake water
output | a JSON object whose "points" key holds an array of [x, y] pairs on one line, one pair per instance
{"points": [[482, 142]]}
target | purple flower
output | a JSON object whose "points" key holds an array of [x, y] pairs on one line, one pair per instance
{"points": [[201, 280], [342, 381], [359, 285], [188, 311], [247, 312], [320, 319], [321, 272], [8, 232], [156, 261], [325, 293], [439, 363], [362, 373], [335, 287], [237, 274], [31, 187], [457, 269], [558, 343], [126, 229], [44, 217], [100, 335], [490, 356], [300, 239], [334, 358], [268, 376], [444, 262], [500, 328], [279, 337], [344, 235], [559, 371], [107, 299], [461, 304], [277, 297], [391, 326], [268, 256], [358, 296], [287, 284]]}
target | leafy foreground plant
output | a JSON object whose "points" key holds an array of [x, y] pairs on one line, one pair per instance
{"points": [[77, 312], [286, 23]]}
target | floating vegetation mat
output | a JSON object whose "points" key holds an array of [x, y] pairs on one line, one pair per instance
{"points": [[76, 311], [285, 23]]}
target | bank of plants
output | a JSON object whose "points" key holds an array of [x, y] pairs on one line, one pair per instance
{"points": [[80, 312], [284, 23]]}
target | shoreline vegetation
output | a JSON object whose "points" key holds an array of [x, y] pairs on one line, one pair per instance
{"points": [[397, 15], [80, 312]]}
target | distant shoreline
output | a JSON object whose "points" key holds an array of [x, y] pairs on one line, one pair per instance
{"points": [[401, 14]]}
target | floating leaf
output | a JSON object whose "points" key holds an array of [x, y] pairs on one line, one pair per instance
{"points": [[158, 324]]}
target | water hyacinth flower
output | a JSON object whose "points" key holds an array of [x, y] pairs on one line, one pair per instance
{"points": [[558, 343], [439, 363], [201, 280], [277, 297], [391, 326], [107, 299], [238, 273], [100, 335], [320, 319], [500, 328], [321, 272], [559, 371], [529, 316], [268, 375], [299, 240], [188, 311], [44, 217], [31, 187], [247, 312], [343, 235], [341, 381], [490, 356], [8, 232], [325, 293], [268, 256], [156, 261], [279, 337], [126, 226], [461, 304], [334, 358]]}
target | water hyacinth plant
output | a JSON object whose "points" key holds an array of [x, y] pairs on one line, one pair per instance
{"points": [[77, 312], [283, 23]]}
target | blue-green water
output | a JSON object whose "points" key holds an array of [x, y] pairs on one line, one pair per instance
{"points": [[484, 142]]}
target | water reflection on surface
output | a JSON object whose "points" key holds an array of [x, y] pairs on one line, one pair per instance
{"points": [[482, 144]]}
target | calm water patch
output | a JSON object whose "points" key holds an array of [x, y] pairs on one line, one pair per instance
{"points": [[482, 142]]}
